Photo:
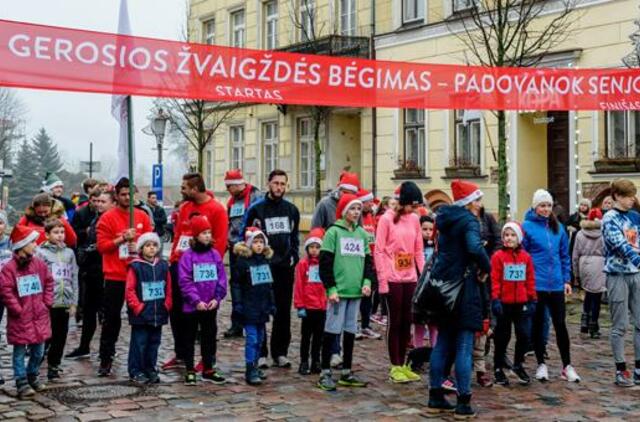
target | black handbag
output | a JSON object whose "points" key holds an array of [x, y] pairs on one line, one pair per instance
{"points": [[436, 299]]}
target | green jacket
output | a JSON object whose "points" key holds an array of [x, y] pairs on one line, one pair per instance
{"points": [[345, 260]]}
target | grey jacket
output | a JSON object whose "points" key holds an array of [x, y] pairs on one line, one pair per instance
{"points": [[325, 213], [588, 257], [62, 264]]}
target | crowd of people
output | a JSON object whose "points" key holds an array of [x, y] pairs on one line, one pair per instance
{"points": [[364, 260]]}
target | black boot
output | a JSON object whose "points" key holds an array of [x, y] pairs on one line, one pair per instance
{"points": [[463, 408], [251, 375], [584, 323], [594, 330], [437, 402]]}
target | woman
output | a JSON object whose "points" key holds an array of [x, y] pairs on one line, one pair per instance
{"points": [[398, 256], [461, 254], [546, 241]]}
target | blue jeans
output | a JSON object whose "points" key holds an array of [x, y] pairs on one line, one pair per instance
{"points": [[452, 341], [254, 336], [36, 353], [143, 349]]}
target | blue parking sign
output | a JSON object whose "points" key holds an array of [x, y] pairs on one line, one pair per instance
{"points": [[156, 180]]}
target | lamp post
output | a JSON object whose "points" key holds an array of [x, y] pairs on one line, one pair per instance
{"points": [[158, 128]]}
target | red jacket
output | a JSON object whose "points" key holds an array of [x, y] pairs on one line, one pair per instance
{"points": [[27, 316], [217, 216], [110, 226], [309, 294], [70, 238], [512, 276], [369, 224]]}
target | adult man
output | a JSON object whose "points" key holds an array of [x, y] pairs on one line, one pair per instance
{"points": [[325, 213], [53, 185], [196, 201], [88, 185], [243, 195], [280, 220], [158, 212], [90, 262], [43, 207], [116, 242]]}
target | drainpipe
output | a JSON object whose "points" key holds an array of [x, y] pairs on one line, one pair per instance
{"points": [[374, 120]]}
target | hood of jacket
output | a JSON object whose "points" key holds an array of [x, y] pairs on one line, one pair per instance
{"points": [[52, 247], [57, 211], [241, 249], [452, 215], [591, 228]]}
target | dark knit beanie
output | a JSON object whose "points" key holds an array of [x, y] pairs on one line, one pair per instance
{"points": [[410, 194]]}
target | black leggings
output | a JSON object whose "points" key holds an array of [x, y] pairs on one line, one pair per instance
{"points": [[591, 307], [59, 331], [113, 301], [206, 322], [512, 314], [555, 302], [311, 335], [328, 342], [92, 308]]}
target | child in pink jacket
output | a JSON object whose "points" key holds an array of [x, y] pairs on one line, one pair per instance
{"points": [[399, 257]]}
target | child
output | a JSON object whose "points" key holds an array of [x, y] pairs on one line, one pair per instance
{"points": [[203, 283], [310, 300], [254, 277], [149, 302], [26, 288], [426, 224], [346, 272], [513, 301], [62, 264]]}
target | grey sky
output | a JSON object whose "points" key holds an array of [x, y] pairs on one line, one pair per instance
{"points": [[74, 119]]}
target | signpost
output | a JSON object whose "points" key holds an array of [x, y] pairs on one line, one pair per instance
{"points": [[156, 180]]}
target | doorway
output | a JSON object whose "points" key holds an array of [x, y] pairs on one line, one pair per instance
{"points": [[558, 157]]}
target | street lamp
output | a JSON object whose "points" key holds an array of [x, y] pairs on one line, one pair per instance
{"points": [[158, 128]]}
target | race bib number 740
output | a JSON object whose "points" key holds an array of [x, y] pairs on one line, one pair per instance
{"points": [[29, 285], [350, 246]]}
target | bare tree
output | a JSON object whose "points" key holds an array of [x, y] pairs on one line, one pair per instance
{"points": [[12, 111], [505, 33]]}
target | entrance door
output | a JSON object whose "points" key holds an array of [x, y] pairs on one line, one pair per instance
{"points": [[558, 157]]}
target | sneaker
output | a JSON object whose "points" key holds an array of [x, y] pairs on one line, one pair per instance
{"points": [[410, 374], [336, 360], [251, 375], [377, 319], [233, 333], [303, 369], [595, 335], [542, 373], [449, 385], [190, 379], [214, 376], [53, 373], [483, 379], [199, 367], [24, 389], [397, 375], [623, 379], [35, 383], [78, 354], [369, 333], [282, 362], [261, 374], [326, 382], [105, 369], [569, 374], [636, 378], [350, 380], [262, 363], [500, 378], [172, 363], [521, 374], [139, 379], [316, 368], [359, 335], [153, 378]]}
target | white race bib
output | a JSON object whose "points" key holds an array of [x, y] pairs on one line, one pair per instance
{"points": [[205, 272], [29, 285], [152, 290], [350, 246], [183, 243], [237, 209], [61, 271], [314, 274], [123, 251], [277, 225]]}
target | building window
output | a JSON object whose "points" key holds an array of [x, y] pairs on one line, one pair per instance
{"points": [[270, 13], [209, 31], [209, 168], [307, 153], [307, 20], [623, 134], [412, 10], [348, 17], [237, 146], [462, 5], [237, 28], [269, 148], [467, 139], [414, 141]]}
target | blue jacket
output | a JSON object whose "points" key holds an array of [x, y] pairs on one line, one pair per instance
{"points": [[460, 249], [621, 245], [549, 250], [256, 302]]}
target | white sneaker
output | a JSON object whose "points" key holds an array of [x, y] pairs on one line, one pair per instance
{"points": [[282, 362], [336, 360], [570, 374], [542, 374], [359, 335], [369, 333], [262, 363]]}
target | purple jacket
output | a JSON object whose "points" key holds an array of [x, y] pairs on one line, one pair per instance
{"points": [[202, 278]]}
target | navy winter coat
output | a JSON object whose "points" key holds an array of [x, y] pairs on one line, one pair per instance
{"points": [[257, 302]]}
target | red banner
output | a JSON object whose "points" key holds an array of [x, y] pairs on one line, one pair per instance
{"points": [[45, 57]]}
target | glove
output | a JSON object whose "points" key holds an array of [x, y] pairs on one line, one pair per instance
{"points": [[531, 308], [496, 307], [302, 313]]}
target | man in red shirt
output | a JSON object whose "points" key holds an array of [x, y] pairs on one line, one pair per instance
{"points": [[197, 200], [117, 244]]}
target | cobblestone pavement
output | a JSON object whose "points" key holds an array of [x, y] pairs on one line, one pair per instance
{"points": [[287, 395]]}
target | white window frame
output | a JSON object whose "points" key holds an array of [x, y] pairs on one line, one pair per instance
{"points": [[209, 31], [413, 11], [306, 171], [463, 131], [270, 39], [238, 30], [307, 11], [348, 17], [413, 127], [630, 134], [269, 148], [237, 141], [461, 5]]}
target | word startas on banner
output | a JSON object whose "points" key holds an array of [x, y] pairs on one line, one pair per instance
{"points": [[44, 57]]}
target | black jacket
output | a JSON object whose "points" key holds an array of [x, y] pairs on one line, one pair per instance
{"points": [[89, 259], [159, 219], [81, 222], [256, 302], [279, 220], [490, 232]]}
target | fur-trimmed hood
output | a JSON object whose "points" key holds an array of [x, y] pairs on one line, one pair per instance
{"points": [[57, 211], [591, 224], [241, 249]]}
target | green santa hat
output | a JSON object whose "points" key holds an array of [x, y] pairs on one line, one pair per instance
{"points": [[51, 181]]}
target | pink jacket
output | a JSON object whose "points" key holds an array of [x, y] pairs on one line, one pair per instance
{"points": [[27, 316], [399, 256]]}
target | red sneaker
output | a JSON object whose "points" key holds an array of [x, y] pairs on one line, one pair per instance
{"points": [[172, 363], [199, 367]]}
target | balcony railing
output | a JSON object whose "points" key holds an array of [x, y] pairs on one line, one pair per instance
{"points": [[332, 45]]}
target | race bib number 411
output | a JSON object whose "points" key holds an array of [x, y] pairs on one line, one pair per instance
{"points": [[29, 285], [277, 225], [61, 271], [350, 246]]}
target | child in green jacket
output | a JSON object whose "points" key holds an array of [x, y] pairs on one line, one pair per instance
{"points": [[346, 271]]}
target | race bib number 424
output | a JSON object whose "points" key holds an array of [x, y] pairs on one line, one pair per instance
{"points": [[350, 246], [277, 225], [29, 285]]}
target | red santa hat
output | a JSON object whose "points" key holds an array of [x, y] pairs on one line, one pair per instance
{"points": [[595, 214], [364, 195], [349, 181], [464, 192], [234, 177], [21, 236], [346, 201], [517, 229], [251, 233], [199, 223], [314, 236]]}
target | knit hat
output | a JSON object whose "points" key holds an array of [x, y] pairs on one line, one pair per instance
{"points": [[517, 229], [146, 238], [541, 196], [364, 195], [3, 217], [349, 181], [464, 192], [234, 177], [251, 233], [21, 236], [585, 201], [595, 214], [346, 201], [199, 223], [51, 181], [314, 236], [410, 194]]}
